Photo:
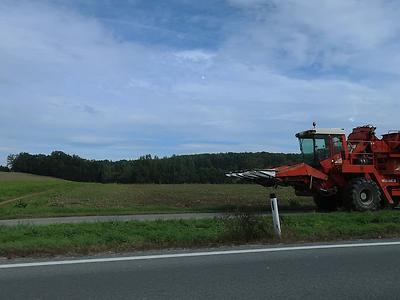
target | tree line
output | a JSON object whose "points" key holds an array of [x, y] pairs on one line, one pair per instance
{"points": [[196, 168], [4, 169]]}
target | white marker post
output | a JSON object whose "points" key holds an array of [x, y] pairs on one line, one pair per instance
{"points": [[275, 215]]}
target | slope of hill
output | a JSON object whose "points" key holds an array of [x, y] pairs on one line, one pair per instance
{"points": [[23, 195]]}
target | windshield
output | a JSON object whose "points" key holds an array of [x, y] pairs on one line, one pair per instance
{"points": [[314, 149], [307, 149]]}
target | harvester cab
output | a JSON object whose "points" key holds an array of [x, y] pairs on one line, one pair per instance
{"points": [[317, 145], [361, 172]]}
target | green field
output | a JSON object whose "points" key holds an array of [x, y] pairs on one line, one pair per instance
{"points": [[24, 195]]}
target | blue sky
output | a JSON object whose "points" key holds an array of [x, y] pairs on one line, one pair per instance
{"points": [[119, 79]]}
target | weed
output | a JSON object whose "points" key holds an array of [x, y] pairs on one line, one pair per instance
{"points": [[246, 226], [20, 204]]}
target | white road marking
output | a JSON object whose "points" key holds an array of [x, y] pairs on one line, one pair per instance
{"points": [[192, 254]]}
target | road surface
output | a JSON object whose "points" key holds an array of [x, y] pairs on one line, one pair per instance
{"points": [[337, 272]]}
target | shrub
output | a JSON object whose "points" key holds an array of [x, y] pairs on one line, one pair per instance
{"points": [[246, 226]]}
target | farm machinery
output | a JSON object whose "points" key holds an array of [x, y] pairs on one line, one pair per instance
{"points": [[360, 172]]}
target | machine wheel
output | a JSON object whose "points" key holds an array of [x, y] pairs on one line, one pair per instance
{"points": [[326, 203], [363, 195]]}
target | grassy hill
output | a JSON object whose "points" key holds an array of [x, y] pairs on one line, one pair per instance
{"points": [[24, 195]]}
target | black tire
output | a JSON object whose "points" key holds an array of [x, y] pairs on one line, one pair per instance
{"points": [[326, 203], [363, 195]]}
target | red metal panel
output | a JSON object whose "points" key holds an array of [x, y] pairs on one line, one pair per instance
{"points": [[396, 193], [300, 170]]}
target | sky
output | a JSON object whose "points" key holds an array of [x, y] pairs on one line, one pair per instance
{"points": [[120, 79]]}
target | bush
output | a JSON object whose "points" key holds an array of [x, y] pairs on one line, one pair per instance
{"points": [[20, 204], [246, 226]]}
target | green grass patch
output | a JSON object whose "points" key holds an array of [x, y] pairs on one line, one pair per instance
{"points": [[88, 238], [15, 185], [343, 225], [23, 195]]}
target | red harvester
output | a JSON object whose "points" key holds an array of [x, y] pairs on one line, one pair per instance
{"points": [[361, 172]]}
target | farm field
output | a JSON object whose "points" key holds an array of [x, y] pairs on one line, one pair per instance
{"points": [[25, 195]]}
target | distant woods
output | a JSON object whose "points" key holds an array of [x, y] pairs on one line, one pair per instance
{"points": [[4, 169], [197, 168]]}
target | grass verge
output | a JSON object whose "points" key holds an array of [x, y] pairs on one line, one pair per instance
{"points": [[71, 239]]}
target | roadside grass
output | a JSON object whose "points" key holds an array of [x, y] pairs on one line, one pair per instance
{"points": [[24, 195], [86, 238], [343, 225]]}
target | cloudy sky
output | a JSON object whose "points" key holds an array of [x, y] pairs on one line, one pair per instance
{"points": [[120, 79]]}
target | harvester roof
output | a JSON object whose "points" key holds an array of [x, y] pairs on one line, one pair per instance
{"points": [[320, 131]]}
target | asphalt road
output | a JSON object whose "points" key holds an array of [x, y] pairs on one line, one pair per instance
{"points": [[368, 272]]}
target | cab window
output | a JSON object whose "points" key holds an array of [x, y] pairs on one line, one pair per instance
{"points": [[321, 147], [337, 144]]}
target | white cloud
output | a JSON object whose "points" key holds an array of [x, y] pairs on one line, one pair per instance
{"points": [[196, 55], [249, 3]]}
